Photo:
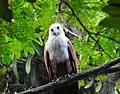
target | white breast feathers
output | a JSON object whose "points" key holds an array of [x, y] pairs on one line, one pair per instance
{"points": [[57, 48]]}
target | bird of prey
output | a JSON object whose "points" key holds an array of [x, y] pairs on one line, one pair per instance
{"points": [[60, 58]]}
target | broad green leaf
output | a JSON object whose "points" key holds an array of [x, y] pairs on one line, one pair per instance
{"points": [[17, 47], [111, 22], [28, 49], [112, 10], [31, 50], [118, 85], [114, 1], [37, 49], [82, 83], [17, 54], [101, 77], [6, 59], [48, 9]]}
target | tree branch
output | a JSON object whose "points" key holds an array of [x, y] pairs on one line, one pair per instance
{"points": [[112, 70], [105, 37], [63, 81], [74, 14], [103, 49]]}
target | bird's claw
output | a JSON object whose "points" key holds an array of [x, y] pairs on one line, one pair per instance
{"points": [[53, 80], [68, 75], [57, 80]]}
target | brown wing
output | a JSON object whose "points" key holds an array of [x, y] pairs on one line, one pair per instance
{"points": [[47, 62], [73, 57]]}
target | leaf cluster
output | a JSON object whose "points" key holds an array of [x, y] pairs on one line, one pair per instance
{"points": [[29, 25]]}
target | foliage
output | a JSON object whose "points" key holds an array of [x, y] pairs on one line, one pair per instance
{"points": [[3, 74], [104, 43], [27, 27], [112, 9], [99, 44]]}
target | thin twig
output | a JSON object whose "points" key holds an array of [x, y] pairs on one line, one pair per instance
{"points": [[104, 50], [72, 10], [106, 37]]}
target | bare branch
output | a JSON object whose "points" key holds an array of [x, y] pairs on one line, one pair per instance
{"points": [[112, 70], [63, 81]]}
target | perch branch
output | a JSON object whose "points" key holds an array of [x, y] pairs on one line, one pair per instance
{"points": [[112, 70], [102, 69]]}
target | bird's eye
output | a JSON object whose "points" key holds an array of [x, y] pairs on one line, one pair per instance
{"points": [[58, 27], [52, 30]]}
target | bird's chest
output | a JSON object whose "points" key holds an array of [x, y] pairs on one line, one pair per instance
{"points": [[58, 50]]}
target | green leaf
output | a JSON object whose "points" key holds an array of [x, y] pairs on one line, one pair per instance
{"points": [[114, 1], [6, 59], [28, 49], [17, 54], [37, 49], [32, 51], [48, 9], [112, 10], [3, 71], [101, 77], [111, 22], [82, 83], [118, 84]]}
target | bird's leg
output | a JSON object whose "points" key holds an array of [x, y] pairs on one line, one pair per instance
{"points": [[69, 67], [54, 69]]}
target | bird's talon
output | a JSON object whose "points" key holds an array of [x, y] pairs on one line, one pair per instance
{"points": [[72, 73], [68, 75], [53, 80], [57, 80], [65, 75]]}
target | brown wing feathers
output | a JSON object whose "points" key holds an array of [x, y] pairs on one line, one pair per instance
{"points": [[47, 62], [73, 57]]}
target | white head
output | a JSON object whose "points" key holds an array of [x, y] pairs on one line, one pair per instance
{"points": [[56, 29]]}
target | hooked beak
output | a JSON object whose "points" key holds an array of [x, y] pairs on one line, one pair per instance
{"points": [[55, 33]]}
